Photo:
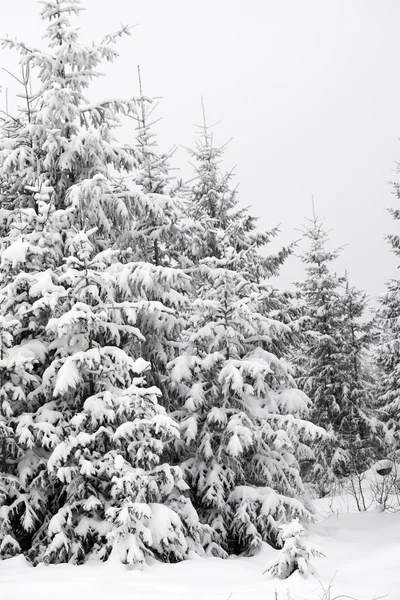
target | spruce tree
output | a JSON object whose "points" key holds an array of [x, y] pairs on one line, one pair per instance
{"points": [[387, 354], [366, 436], [296, 554], [82, 432], [330, 366], [114, 487], [242, 421], [155, 264]]}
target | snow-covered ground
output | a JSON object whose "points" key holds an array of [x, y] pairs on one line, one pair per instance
{"points": [[362, 560]]}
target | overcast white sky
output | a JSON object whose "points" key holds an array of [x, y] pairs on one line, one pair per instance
{"points": [[309, 91]]}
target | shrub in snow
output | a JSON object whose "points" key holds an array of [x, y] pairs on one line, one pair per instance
{"points": [[384, 486], [295, 555]]}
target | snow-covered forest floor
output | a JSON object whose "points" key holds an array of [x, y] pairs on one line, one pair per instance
{"points": [[362, 552]]}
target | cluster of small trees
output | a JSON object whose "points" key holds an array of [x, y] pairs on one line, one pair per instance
{"points": [[158, 394]]}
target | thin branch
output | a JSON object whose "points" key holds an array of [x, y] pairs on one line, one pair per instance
{"points": [[12, 75]]}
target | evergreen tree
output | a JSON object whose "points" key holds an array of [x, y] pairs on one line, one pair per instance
{"points": [[154, 258], [367, 437], [295, 555], [227, 231], [388, 349], [160, 231], [82, 433], [330, 366], [41, 156], [243, 423], [114, 487], [31, 250]]}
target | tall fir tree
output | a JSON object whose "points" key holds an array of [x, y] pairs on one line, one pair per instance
{"points": [[82, 432], [330, 366], [155, 266], [367, 437], [387, 354], [115, 489], [243, 423]]}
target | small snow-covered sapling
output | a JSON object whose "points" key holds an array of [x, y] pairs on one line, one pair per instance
{"points": [[295, 554]]}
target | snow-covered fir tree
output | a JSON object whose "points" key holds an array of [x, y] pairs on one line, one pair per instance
{"points": [[330, 366], [243, 422], [296, 554], [388, 348], [41, 156], [224, 224], [160, 231], [114, 487], [155, 262], [82, 433], [30, 253], [366, 436]]}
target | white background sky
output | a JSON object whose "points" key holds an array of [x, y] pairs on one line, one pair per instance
{"points": [[309, 91]]}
